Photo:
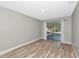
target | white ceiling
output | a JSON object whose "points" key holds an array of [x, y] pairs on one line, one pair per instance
{"points": [[42, 10]]}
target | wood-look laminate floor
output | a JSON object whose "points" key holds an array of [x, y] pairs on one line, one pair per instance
{"points": [[42, 49]]}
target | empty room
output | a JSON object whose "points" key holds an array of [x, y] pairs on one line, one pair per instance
{"points": [[39, 29]]}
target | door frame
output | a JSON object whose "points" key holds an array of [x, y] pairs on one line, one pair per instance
{"points": [[62, 31]]}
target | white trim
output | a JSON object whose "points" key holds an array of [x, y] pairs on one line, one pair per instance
{"points": [[75, 51], [13, 48], [67, 42], [72, 47], [62, 31], [45, 26]]}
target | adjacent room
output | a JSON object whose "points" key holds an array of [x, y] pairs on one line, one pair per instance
{"points": [[39, 29], [54, 31]]}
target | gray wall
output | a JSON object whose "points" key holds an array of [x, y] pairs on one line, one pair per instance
{"points": [[75, 27], [68, 29], [16, 28]]}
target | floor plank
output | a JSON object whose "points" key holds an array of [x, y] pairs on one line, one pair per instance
{"points": [[42, 49]]}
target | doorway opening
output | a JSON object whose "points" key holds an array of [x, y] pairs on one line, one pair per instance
{"points": [[53, 31]]}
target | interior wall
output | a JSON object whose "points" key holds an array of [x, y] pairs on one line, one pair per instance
{"points": [[75, 27], [16, 28], [68, 29]]}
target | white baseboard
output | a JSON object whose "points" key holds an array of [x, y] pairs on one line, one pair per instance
{"points": [[75, 51], [67, 42], [72, 47], [13, 48]]}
